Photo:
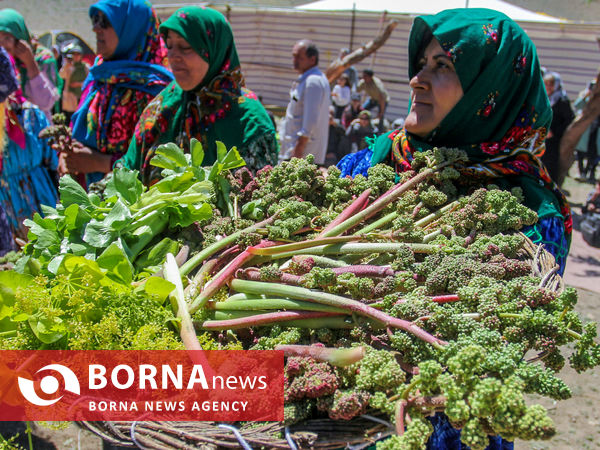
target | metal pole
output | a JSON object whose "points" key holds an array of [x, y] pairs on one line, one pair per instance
{"points": [[352, 26]]}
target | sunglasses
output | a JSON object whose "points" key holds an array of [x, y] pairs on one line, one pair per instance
{"points": [[99, 20]]}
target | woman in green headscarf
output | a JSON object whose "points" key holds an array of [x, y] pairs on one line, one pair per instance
{"points": [[207, 100], [476, 85], [38, 69]]}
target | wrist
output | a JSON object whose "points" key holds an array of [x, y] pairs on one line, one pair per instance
{"points": [[32, 70]]}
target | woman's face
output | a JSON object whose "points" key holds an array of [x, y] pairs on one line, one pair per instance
{"points": [[436, 89], [8, 41], [106, 36], [188, 67], [549, 84]]}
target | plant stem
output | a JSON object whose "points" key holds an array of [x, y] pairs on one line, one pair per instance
{"points": [[435, 215], [263, 319], [29, 432], [321, 261], [273, 303], [253, 287], [384, 200], [378, 223], [199, 257], [358, 204], [338, 357], [301, 245], [360, 248], [221, 278]]}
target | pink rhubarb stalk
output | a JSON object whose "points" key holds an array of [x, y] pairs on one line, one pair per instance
{"points": [[264, 319], [357, 205], [224, 275]]}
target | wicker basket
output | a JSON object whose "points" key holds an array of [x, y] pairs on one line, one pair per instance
{"points": [[358, 433]]}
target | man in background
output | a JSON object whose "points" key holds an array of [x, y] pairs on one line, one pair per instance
{"points": [[306, 125], [377, 95]]}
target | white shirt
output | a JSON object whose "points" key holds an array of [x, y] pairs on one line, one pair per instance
{"points": [[340, 95], [307, 115]]}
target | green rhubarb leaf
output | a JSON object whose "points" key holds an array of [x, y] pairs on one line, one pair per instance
{"points": [[156, 254], [125, 184], [43, 233], [232, 159], [118, 217], [185, 215], [158, 287], [10, 281], [117, 265], [98, 234], [71, 192], [221, 151], [169, 156], [46, 330], [75, 217], [197, 152], [78, 267]]}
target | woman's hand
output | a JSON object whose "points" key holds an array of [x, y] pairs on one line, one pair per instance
{"points": [[24, 53], [83, 159]]}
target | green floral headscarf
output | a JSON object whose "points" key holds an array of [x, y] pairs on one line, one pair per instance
{"points": [[11, 21], [502, 119], [219, 109]]}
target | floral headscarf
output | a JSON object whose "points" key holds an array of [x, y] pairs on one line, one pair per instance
{"points": [[503, 117], [11, 21], [218, 109], [116, 91]]}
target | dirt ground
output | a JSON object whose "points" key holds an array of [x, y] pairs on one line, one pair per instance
{"points": [[577, 419]]}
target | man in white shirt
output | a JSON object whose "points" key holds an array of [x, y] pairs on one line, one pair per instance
{"points": [[306, 125]]}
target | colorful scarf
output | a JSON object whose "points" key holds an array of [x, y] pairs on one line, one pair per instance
{"points": [[503, 117], [10, 99], [13, 22], [116, 91], [219, 109]]}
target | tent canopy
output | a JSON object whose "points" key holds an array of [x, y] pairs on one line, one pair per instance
{"points": [[411, 7]]}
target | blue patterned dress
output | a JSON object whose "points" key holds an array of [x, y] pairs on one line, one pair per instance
{"points": [[25, 183]]}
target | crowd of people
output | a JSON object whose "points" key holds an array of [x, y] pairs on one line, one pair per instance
{"points": [[475, 78]]}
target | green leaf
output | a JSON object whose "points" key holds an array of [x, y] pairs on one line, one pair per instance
{"points": [[197, 152], [43, 232], [115, 262], [170, 152], [252, 210], [233, 160], [174, 183], [76, 267], [125, 184], [118, 217], [184, 216], [75, 217], [221, 151], [71, 192], [98, 234], [10, 281], [46, 330], [156, 254], [159, 286], [163, 162]]}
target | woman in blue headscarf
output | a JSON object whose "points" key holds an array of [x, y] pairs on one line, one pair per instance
{"points": [[130, 71]]}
